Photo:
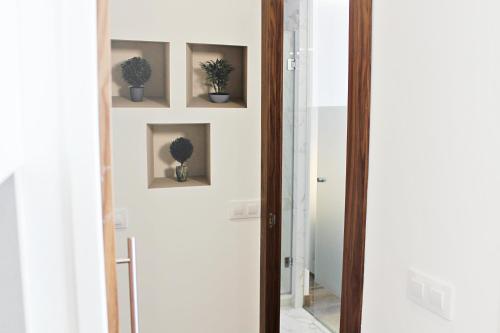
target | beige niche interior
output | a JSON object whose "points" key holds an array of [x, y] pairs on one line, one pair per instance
{"points": [[161, 165], [157, 89], [197, 88]]}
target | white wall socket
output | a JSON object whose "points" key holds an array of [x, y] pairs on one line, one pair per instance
{"points": [[431, 294], [244, 209]]}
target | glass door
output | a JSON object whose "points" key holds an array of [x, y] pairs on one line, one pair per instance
{"points": [[315, 67], [288, 162], [326, 278]]}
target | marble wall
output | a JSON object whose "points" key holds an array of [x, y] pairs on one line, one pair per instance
{"points": [[297, 144], [292, 15]]}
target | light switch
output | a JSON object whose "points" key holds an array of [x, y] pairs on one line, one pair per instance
{"points": [[253, 209], [244, 209], [239, 211], [121, 218], [430, 293], [416, 290], [436, 298]]}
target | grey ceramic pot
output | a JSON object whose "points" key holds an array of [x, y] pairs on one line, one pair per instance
{"points": [[181, 173], [136, 94], [219, 98]]}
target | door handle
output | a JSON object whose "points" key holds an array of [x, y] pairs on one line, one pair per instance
{"points": [[321, 180], [132, 277]]}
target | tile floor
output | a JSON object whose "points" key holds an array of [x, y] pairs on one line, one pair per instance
{"points": [[324, 306], [299, 321]]}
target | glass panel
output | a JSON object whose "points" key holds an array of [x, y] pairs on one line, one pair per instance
{"points": [[288, 144], [326, 278], [314, 162]]}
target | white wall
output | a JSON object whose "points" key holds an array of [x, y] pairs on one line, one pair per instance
{"points": [[9, 115], [330, 25], [197, 270], [434, 181], [53, 142], [11, 302]]}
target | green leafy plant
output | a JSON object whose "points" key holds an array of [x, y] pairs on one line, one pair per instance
{"points": [[181, 150], [217, 74], [136, 71]]}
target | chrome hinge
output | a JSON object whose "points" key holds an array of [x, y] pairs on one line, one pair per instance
{"points": [[272, 220], [288, 262], [291, 64]]}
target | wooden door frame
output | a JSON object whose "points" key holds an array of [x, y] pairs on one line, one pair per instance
{"points": [[104, 84], [271, 155], [358, 129]]}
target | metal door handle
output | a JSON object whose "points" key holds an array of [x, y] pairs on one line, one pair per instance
{"points": [[321, 180], [132, 277]]}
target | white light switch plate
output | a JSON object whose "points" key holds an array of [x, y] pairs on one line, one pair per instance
{"points": [[121, 218], [430, 293], [244, 209]]}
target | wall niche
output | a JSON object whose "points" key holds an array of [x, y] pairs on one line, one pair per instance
{"points": [[161, 165], [157, 89], [197, 89]]}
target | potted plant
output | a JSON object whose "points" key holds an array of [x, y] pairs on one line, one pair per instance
{"points": [[181, 150], [217, 78], [136, 72]]}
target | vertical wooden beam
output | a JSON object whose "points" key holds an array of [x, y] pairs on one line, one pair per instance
{"points": [[272, 110], [104, 77], [358, 133]]}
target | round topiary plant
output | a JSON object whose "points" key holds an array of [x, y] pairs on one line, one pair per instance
{"points": [[181, 150], [136, 71]]}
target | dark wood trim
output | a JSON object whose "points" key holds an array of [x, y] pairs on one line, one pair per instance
{"points": [[357, 163], [104, 83], [272, 110], [358, 135]]}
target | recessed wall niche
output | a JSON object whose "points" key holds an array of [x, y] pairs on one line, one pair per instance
{"points": [[161, 165], [197, 89], [157, 89]]}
